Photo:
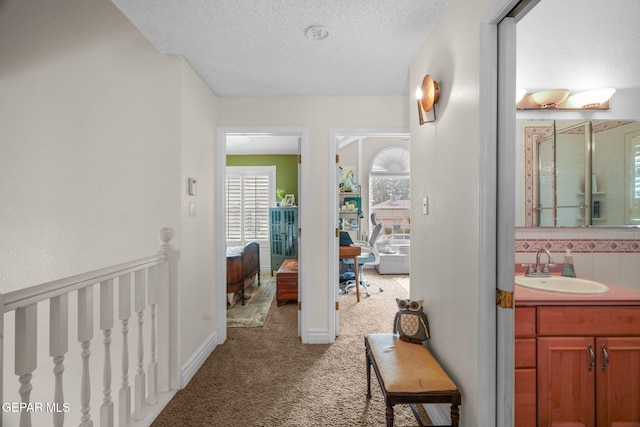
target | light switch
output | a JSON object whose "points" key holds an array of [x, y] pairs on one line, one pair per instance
{"points": [[192, 208], [425, 205]]}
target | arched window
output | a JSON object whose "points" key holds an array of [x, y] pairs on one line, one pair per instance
{"points": [[389, 191]]}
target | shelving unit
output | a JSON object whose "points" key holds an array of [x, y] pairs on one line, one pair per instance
{"points": [[350, 206]]}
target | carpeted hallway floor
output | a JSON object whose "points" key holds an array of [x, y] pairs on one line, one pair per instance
{"points": [[265, 376]]}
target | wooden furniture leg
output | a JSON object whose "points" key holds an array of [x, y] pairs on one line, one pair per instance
{"points": [[389, 415], [455, 415]]}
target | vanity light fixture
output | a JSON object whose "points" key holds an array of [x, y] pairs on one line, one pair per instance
{"points": [[563, 99], [427, 96]]}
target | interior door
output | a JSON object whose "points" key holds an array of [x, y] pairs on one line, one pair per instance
{"points": [[505, 218]]}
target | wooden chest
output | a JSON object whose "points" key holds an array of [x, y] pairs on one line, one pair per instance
{"points": [[287, 282]]}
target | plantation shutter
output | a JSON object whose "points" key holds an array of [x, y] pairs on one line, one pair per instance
{"points": [[256, 207], [249, 194], [234, 207]]}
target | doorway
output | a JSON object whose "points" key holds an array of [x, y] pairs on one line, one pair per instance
{"points": [[355, 149], [267, 159]]}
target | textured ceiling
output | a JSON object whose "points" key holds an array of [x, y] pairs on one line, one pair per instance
{"points": [[579, 44], [259, 47]]}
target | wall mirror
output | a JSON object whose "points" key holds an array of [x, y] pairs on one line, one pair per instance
{"points": [[579, 173]]}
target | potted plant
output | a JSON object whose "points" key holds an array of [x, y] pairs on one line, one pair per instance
{"points": [[280, 193]]}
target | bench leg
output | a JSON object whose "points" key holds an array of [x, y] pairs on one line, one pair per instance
{"points": [[368, 375], [455, 415], [389, 415]]}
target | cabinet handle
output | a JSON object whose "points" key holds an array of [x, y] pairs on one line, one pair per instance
{"points": [[606, 357], [593, 357]]}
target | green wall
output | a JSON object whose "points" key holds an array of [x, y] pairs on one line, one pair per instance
{"points": [[286, 168]]}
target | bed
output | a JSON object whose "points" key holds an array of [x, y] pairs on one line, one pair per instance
{"points": [[243, 265]]}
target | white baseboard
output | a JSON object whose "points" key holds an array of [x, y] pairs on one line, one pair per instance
{"points": [[438, 414], [318, 337], [196, 360]]}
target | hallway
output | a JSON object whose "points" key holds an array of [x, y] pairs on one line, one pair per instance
{"points": [[267, 377]]}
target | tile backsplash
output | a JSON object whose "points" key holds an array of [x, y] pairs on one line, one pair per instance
{"points": [[609, 255]]}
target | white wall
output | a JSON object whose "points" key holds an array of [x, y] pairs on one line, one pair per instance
{"points": [[198, 310], [98, 133], [90, 130], [318, 115], [444, 167]]}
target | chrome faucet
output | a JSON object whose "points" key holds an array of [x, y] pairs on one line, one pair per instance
{"points": [[540, 270]]}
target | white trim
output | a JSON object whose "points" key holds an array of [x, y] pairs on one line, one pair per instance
{"points": [[196, 360], [219, 236], [303, 246], [319, 336], [439, 413], [494, 406]]}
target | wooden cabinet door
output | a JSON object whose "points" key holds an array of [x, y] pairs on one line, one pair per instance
{"points": [[566, 382], [525, 398], [618, 382]]}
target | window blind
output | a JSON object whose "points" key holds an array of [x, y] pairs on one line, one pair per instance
{"points": [[248, 200]]}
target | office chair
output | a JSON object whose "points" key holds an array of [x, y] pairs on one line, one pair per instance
{"points": [[369, 256]]}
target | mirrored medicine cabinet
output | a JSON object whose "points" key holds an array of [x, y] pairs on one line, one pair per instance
{"points": [[582, 173]]}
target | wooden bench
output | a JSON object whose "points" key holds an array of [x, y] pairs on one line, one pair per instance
{"points": [[409, 374]]}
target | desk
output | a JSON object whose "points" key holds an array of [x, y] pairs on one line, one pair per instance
{"points": [[353, 252]]}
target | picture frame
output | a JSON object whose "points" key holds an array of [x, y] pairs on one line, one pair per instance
{"points": [[289, 200], [347, 179]]}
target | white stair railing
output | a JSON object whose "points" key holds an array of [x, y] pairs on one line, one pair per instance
{"points": [[155, 305]]}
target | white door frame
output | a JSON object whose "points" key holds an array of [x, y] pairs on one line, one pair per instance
{"points": [[497, 214], [304, 182], [334, 314]]}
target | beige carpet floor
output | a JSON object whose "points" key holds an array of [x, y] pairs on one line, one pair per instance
{"points": [[266, 377], [256, 308]]}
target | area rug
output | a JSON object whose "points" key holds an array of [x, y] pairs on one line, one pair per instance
{"points": [[254, 313]]}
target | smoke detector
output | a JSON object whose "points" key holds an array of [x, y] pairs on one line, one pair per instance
{"points": [[316, 32]]}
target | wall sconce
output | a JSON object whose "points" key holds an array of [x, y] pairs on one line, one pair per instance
{"points": [[427, 95], [563, 99]]}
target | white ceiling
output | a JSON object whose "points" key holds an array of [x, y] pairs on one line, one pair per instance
{"points": [[259, 48], [579, 44]]}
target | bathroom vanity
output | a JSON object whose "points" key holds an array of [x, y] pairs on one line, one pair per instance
{"points": [[577, 358]]}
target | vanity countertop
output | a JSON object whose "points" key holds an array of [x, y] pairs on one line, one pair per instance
{"points": [[616, 296]]}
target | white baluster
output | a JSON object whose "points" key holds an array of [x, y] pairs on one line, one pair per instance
{"points": [[58, 347], [124, 312], [154, 282], [106, 324], [140, 285], [85, 335], [26, 352], [168, 315]]}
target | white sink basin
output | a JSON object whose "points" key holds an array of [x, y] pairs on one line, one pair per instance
{"points": [[568, 285]]}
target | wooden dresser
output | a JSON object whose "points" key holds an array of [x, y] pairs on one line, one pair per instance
{"points": [[287, 282]]}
